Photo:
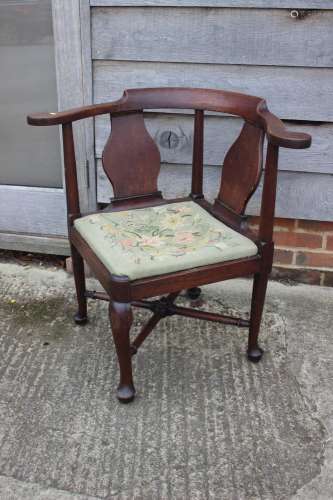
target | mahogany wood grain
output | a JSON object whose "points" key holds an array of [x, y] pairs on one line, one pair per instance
{"points": [[131, 159], [163, 97], [165, 283], [132, 162], [198, 151], [252, 109], [189, 312], [121, 318], [269, 194], [72, 191], [277, 133], [242, 168]]}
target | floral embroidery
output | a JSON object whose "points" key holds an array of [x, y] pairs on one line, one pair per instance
{"points": [[157, 232], [157, 240]]}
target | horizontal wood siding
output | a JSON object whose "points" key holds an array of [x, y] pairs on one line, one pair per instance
{"points": [[240, 36], [278, 4], [175, 180], [174, 136], [292, 93], [259, 50]]}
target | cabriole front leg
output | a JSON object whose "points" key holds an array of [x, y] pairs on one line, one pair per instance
{"points": [[254, 352], [121, 318]]}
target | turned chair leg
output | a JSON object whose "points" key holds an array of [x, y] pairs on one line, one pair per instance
{"points": [[80, 317], [254, 352], [121, 318]]}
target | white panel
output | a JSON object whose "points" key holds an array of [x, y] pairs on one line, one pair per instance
{"points": [[39, 211]]}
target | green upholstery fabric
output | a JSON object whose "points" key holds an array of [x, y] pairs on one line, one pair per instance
{"points": [[162, 239]]}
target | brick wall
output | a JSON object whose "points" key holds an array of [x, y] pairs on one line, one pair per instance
{"points": [[303, 250]]}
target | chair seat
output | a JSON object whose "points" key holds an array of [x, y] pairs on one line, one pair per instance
{"points": [[162, 239]]}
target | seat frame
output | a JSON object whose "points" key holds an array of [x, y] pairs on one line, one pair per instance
{"points": [[137, 188]]}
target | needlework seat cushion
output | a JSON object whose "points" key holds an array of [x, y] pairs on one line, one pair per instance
{"points": [[162, 239]]}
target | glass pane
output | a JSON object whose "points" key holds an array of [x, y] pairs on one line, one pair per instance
{"points": [[30, 156]]}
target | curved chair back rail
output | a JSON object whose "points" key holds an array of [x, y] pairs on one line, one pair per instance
{"points": [[242, 164], [165, 97], [250, 108]]}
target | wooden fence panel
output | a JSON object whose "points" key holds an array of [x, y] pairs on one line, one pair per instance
{"points": [[255, 47]]}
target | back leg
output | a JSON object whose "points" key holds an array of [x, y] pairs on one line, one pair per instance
{"points": [[254, 352], [80, 317]]}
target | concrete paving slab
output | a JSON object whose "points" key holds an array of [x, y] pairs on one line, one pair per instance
{"points": [[205, 424], [12, 489]]}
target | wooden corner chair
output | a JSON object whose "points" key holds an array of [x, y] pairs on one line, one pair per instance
{"points": [[144, 246]]}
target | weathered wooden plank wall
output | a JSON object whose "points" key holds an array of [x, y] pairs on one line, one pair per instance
{"points": [[295, 93], [281, 4], [213, 36], [261, 50], [175, 178], [173, 135]]}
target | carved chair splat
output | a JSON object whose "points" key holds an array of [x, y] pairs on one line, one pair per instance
{"points": [[131, 161]]}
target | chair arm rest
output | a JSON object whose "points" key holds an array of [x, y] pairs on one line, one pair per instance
{"points": [[72, 115], [278, 134], [58, 118]]}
